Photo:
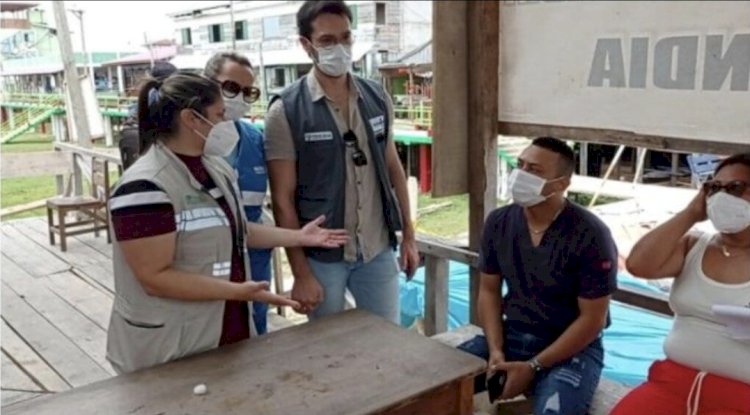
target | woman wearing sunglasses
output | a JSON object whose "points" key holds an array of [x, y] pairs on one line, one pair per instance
{"points": [[708, 349], [234, 74]]}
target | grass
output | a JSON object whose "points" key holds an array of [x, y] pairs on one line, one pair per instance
{"points": [[451, 221], [29, 142], [20, 190]]}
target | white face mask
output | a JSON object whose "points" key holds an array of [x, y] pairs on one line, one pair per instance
{"points": [[235, 108], [728, 214], [526, 188], [334, 60], [222, 138]]}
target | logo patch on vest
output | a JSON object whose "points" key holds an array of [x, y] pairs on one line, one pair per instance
{"points": [[318, 136], [378, 124], [259, 169]]}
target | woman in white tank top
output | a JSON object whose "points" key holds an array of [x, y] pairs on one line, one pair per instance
{"points": [[707, 370]]}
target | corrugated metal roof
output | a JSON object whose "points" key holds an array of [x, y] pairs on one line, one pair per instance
{"points": [[421, 55], [160, 53]]}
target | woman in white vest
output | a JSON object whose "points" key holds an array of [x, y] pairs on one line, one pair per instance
{"points": [[180, 258]]}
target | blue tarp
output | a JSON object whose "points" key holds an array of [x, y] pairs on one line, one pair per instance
{"points": [[632, 342]]}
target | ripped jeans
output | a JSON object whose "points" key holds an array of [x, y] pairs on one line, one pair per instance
{"points": [[567, 388]]}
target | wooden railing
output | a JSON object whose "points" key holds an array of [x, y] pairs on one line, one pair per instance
{"points": [[439, 253]]}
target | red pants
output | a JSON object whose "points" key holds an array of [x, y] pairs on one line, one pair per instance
{"points": [[669, 386]]}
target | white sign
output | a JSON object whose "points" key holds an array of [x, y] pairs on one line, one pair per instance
{"points": [[674, 69]]}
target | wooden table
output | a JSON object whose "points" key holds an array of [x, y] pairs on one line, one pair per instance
{"points": [[350, 363]]}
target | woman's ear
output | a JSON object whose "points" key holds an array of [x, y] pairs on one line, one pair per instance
{"points": [[188, 119]]}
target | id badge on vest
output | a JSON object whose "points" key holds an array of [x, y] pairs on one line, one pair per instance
{"points": [[378, 125]]}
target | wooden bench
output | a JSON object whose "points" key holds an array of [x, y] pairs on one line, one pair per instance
{"points": [[608, 393]]}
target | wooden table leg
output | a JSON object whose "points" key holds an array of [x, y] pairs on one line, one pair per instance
{"points": [[466, 397]]}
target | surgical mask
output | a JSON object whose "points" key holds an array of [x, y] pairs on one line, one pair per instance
{"points": [[526, 188], [334, 60], [235, 108], [222, 138], [728, 214]]}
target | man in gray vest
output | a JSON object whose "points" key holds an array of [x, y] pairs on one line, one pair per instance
{"points": [[330, 151]]}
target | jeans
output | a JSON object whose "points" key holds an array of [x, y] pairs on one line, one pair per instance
{"points": [[567, 388], [260, 270], [374, 285]]}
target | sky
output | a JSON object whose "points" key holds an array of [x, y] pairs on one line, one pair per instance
{"points": [[113, 25]]}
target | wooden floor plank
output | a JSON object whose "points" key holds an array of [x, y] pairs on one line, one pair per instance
{"points": [[63, 355], [14, 378], [98, 243], [9, 397], [31, 362], [89, 337], [84, 259], [93, 303], [37, 262]]}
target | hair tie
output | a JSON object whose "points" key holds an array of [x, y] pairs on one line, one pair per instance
{"points": [[154, 95]]}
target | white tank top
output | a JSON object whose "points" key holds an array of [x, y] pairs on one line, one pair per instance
{"points": [[698, 339]]}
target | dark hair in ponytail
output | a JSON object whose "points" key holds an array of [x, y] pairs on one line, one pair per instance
{"points": [[179, 91]]}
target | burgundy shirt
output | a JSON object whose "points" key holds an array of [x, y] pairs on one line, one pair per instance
{"points": [[136, 220]]}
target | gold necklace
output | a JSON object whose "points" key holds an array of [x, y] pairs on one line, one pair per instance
{"points": [[535, 232]]}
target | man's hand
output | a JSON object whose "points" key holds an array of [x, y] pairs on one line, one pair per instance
{"points": [[409, 257], [307, 291], [520, 376]]}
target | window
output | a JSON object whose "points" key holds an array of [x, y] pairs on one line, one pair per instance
{"points": [[278, 80], [379, 13], [271, 27], [240, 30], [187, 36], [214, 33]]}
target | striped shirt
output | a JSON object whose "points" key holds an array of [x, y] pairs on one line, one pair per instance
{"points": [[141, 209]]}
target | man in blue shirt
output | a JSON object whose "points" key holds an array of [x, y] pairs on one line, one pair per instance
{"points": [[559, 263], [235, 75]]}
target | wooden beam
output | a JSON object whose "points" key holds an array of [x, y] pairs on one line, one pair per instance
{"points": [[483, 30], [627, 138], [450, 98], [22, 208]]}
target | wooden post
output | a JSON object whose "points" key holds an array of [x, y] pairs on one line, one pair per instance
{"points": [[77, 177], [675, 168], [483, 30], [71, 75], [610, 169], [11, 119], [60, 184], [120, 79], [450, 98], [108, 134], [583, 168], [436, 295]]}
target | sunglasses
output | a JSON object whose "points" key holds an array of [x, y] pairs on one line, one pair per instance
{"points": [[358, 157], [735, 188], [231, 89]]}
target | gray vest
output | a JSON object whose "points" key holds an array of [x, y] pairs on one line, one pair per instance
{"points": [[144, 330], [321, 173]]}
